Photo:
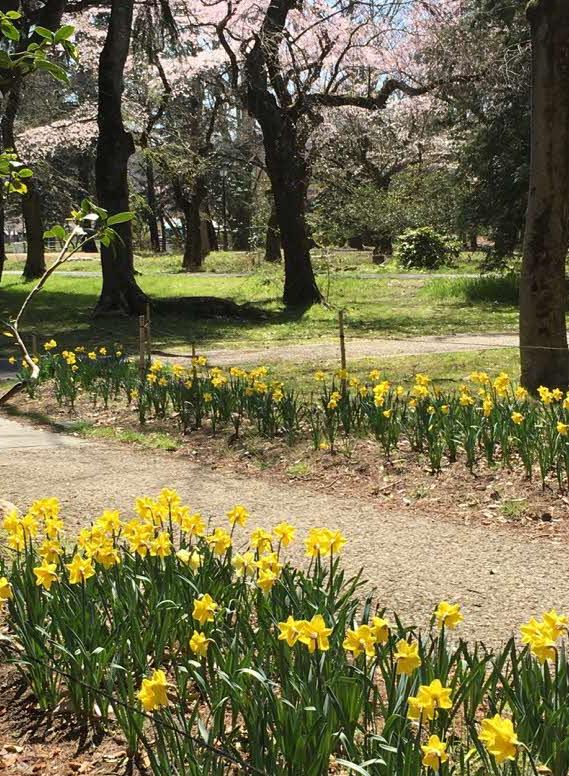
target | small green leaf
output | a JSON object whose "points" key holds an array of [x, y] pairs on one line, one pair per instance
{"points": [[64, 33], [56, 231], [43, 32], [120, 218]]}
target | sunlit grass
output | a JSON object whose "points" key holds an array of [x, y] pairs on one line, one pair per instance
{"points": [[375, 308]]}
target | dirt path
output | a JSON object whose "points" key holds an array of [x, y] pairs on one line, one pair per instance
{"points": [[357, 348], [501, 579]]}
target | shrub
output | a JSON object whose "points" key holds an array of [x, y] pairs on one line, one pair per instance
{"points": [[425, 248]]}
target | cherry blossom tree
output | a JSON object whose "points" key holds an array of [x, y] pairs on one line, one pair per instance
{"points": [[288, 62]]}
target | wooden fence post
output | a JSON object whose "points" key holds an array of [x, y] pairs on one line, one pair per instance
{"points": [[148, 336], [141, 347], [342, 350]]}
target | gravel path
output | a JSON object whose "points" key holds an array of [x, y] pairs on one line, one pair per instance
{"points": [[357, 348], [500, 578]]}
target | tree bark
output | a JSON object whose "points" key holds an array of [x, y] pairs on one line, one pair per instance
{"points": [[289, 175], [163, 234], [543, 294], [196, 240], [35, 251], [151, 216], [49, 16], [31, 202], [120, 292], [273, 238], [2, 238]]}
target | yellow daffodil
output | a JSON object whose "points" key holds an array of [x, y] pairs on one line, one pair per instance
{"points": [[220, 541], [107, 555], [192, 559], [428, 700], [499, 738], [545, 395], [269, 562], [161, 546], [45, 575], [289, 630], [261, 540], [204, 609], [153, 693], [360, 640], [380, 628], [29, 525], [244, 564], [501, 383], [562, 428], [5, 589], [466, 400], [110, 521], [80, 570], [434, 753], [285, 533], [407, 657], [448, 615], [169, 498], [199, 643], [542, 636], [50, 550], [238, 515], [517, 418], [193, 525], [314, 633], [267, 580], [11, 522]]}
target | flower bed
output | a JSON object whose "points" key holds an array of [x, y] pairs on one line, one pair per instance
{"points": [[490, 419], [211, 652]]}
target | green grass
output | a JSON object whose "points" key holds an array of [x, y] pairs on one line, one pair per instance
{"points": [[490, 289], [382, 307], [324, 260], [448, 370], [152, 440]]}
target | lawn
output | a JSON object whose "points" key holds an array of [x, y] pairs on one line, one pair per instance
{"points": [[448, 370], [382, 307], [324, 260]]}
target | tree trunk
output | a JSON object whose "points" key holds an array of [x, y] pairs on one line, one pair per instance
{"points": [[543, 293], [35, 253], [163, 234], [49, 16], [212, 235], [195, 246], [193, 251], [151, 216], [273, 238], [289, 173], [2, 238], [120, 292], [31, 202]]}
